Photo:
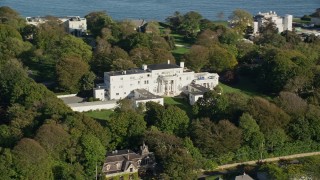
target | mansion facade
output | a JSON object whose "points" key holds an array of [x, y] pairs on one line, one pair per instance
{"points": [[157, 79]]}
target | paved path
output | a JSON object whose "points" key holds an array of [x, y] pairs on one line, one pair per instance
{"points": [[226, 166]]}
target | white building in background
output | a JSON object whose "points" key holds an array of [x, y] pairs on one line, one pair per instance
{"points": [[282, 23], [74, 25], [157, 79]]}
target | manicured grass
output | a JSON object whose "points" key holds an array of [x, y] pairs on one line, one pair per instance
{"points": [[100, 115], [224, 23], [180, 102], [245, 87], [180, 50], [298, 20], [180, 39]]}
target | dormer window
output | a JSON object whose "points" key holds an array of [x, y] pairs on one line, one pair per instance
{"points": [[139, 162], [107, 166], [118, 165]]}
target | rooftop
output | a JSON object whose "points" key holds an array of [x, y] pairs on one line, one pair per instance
{"points": [[121, 155], [146, 94], [243, 177], [162, 66], [199, 88], [140, 70], [131, 71]]}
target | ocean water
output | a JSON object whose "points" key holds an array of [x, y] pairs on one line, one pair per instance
{"points": [[159, 9]]}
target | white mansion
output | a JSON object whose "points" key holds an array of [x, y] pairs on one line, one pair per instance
{"points": [[151, 82], [74, 25], [282, 23]]}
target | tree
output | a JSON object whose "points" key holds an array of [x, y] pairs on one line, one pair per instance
{"points": [[87, 81], [247, 52], [172, 120], [152, 27], [11, 17], [220, 59], [252, 135], [31, 160], [70, 71], [162, 56], [190, 23], [11, 44], [208, 38], [175, 20], [54, 139], [292, 103], [126, 29], [272, 121], [197, 57], [72, 46], [180, 164], [215, 140], [48, 34], [6, 164], [127, 127], [122, 64], [98, 20], [101, 63], [93, 153], [229, 37], [240, 20], [141, 55]]}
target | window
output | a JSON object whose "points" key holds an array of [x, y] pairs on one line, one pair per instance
{"points": [[138, 82], [121, 86], [117, 94], [124, 93], [118, 165], [131, 169], [107, 167]]}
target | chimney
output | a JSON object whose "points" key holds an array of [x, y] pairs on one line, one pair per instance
{"points": [[168, 61], [128, 154], [144, 67], [182, 64]]}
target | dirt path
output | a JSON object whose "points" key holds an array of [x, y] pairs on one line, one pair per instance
{"points": [[226, 166]]}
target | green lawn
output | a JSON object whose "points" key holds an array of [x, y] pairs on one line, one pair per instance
{"points": [[180, 50], [298, 20], [245, 87], [180, 102], [224, 23], [99, 115]]}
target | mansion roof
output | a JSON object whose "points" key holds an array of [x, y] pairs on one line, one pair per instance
{"points": [[162, 66], [139, 70]]}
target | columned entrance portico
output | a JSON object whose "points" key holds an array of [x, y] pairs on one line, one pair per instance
{"points": [[167, 85]]}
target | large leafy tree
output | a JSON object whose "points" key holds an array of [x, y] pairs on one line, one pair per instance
{"points": [[54, 139], [11, 17], [93, 153], [70, 70], [31, 160], [240, 20], [127, 128], [216, 139], [190, 24], [97, 21], [221, 59], [173, 120], [197, 57]]}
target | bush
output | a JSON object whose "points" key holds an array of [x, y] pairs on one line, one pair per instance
{"points": [[306, 18]]}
